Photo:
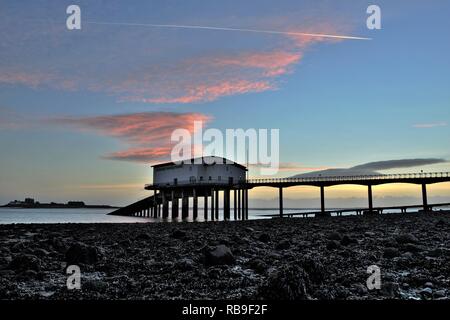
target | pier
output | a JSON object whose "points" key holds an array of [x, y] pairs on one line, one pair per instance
{"points": [[422, 179], [359, 211], [214, 190], [169, 197]]}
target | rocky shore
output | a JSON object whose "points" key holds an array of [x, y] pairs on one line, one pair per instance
{"points": [[309, 258]]}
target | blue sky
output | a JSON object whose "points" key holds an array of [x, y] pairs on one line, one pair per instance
{"points": [[336, 103]]}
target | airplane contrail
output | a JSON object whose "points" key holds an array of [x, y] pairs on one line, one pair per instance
{"points": [[320, 35]]}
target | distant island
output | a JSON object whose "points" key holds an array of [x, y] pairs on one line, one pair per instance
{"points": [[31, 203]]}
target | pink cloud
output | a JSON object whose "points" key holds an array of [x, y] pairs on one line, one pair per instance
{"points": [[208, 78], [272, 63], [147, 133], [210, 92], [193, 80], [37, 79], [11, 120], [293, 166], [24, 78], [430, 125], [141, 154]]}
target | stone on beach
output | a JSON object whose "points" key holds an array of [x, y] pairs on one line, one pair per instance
{"points": [[391, 253], [264, 237], [220, 255], [287, 283], [178, 234], [406, 238], [283, 245], [81, 253], [24, 262]]}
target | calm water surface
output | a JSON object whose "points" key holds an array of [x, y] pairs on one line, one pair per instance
{"points": [[11, 215]]}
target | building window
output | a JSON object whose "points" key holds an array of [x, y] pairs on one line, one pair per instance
{"points": [[210, 178], [201, 178], [219, 178]]}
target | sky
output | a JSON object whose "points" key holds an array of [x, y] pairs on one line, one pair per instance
{"points": [[84, 113]]}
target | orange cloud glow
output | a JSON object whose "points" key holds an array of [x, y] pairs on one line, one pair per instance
{"points": [[148, 133]]}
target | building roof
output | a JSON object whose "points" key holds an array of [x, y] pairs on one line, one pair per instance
{"points": [[209, 160]]}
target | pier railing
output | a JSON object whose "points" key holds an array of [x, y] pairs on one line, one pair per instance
{"points": [[401, 176], [318, 179], [180, 183]]}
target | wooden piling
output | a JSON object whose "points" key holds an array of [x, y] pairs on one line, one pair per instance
{"points": [[165, 206], [205, 206], [226, 204], [194, 205], [239, 203], [185, 205], [174, 205], [280, 196], [369, 190], [424, 197], [234, 205], [212, 204], [217, 205]]}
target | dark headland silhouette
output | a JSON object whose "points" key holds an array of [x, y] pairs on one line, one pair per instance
{"points": [[29, 203]]}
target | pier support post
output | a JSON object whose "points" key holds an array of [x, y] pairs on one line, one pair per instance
{"points": [[185, 205], [246, 204], [212, 204], [243, 205], [205, 206], [194, 204], [239, 204], [424, 197], [226, 204], [216, 207], [322, 199], [234, 205], [165, 205], [174, 206], [155, 204], [369, 188], [280, 196]]}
